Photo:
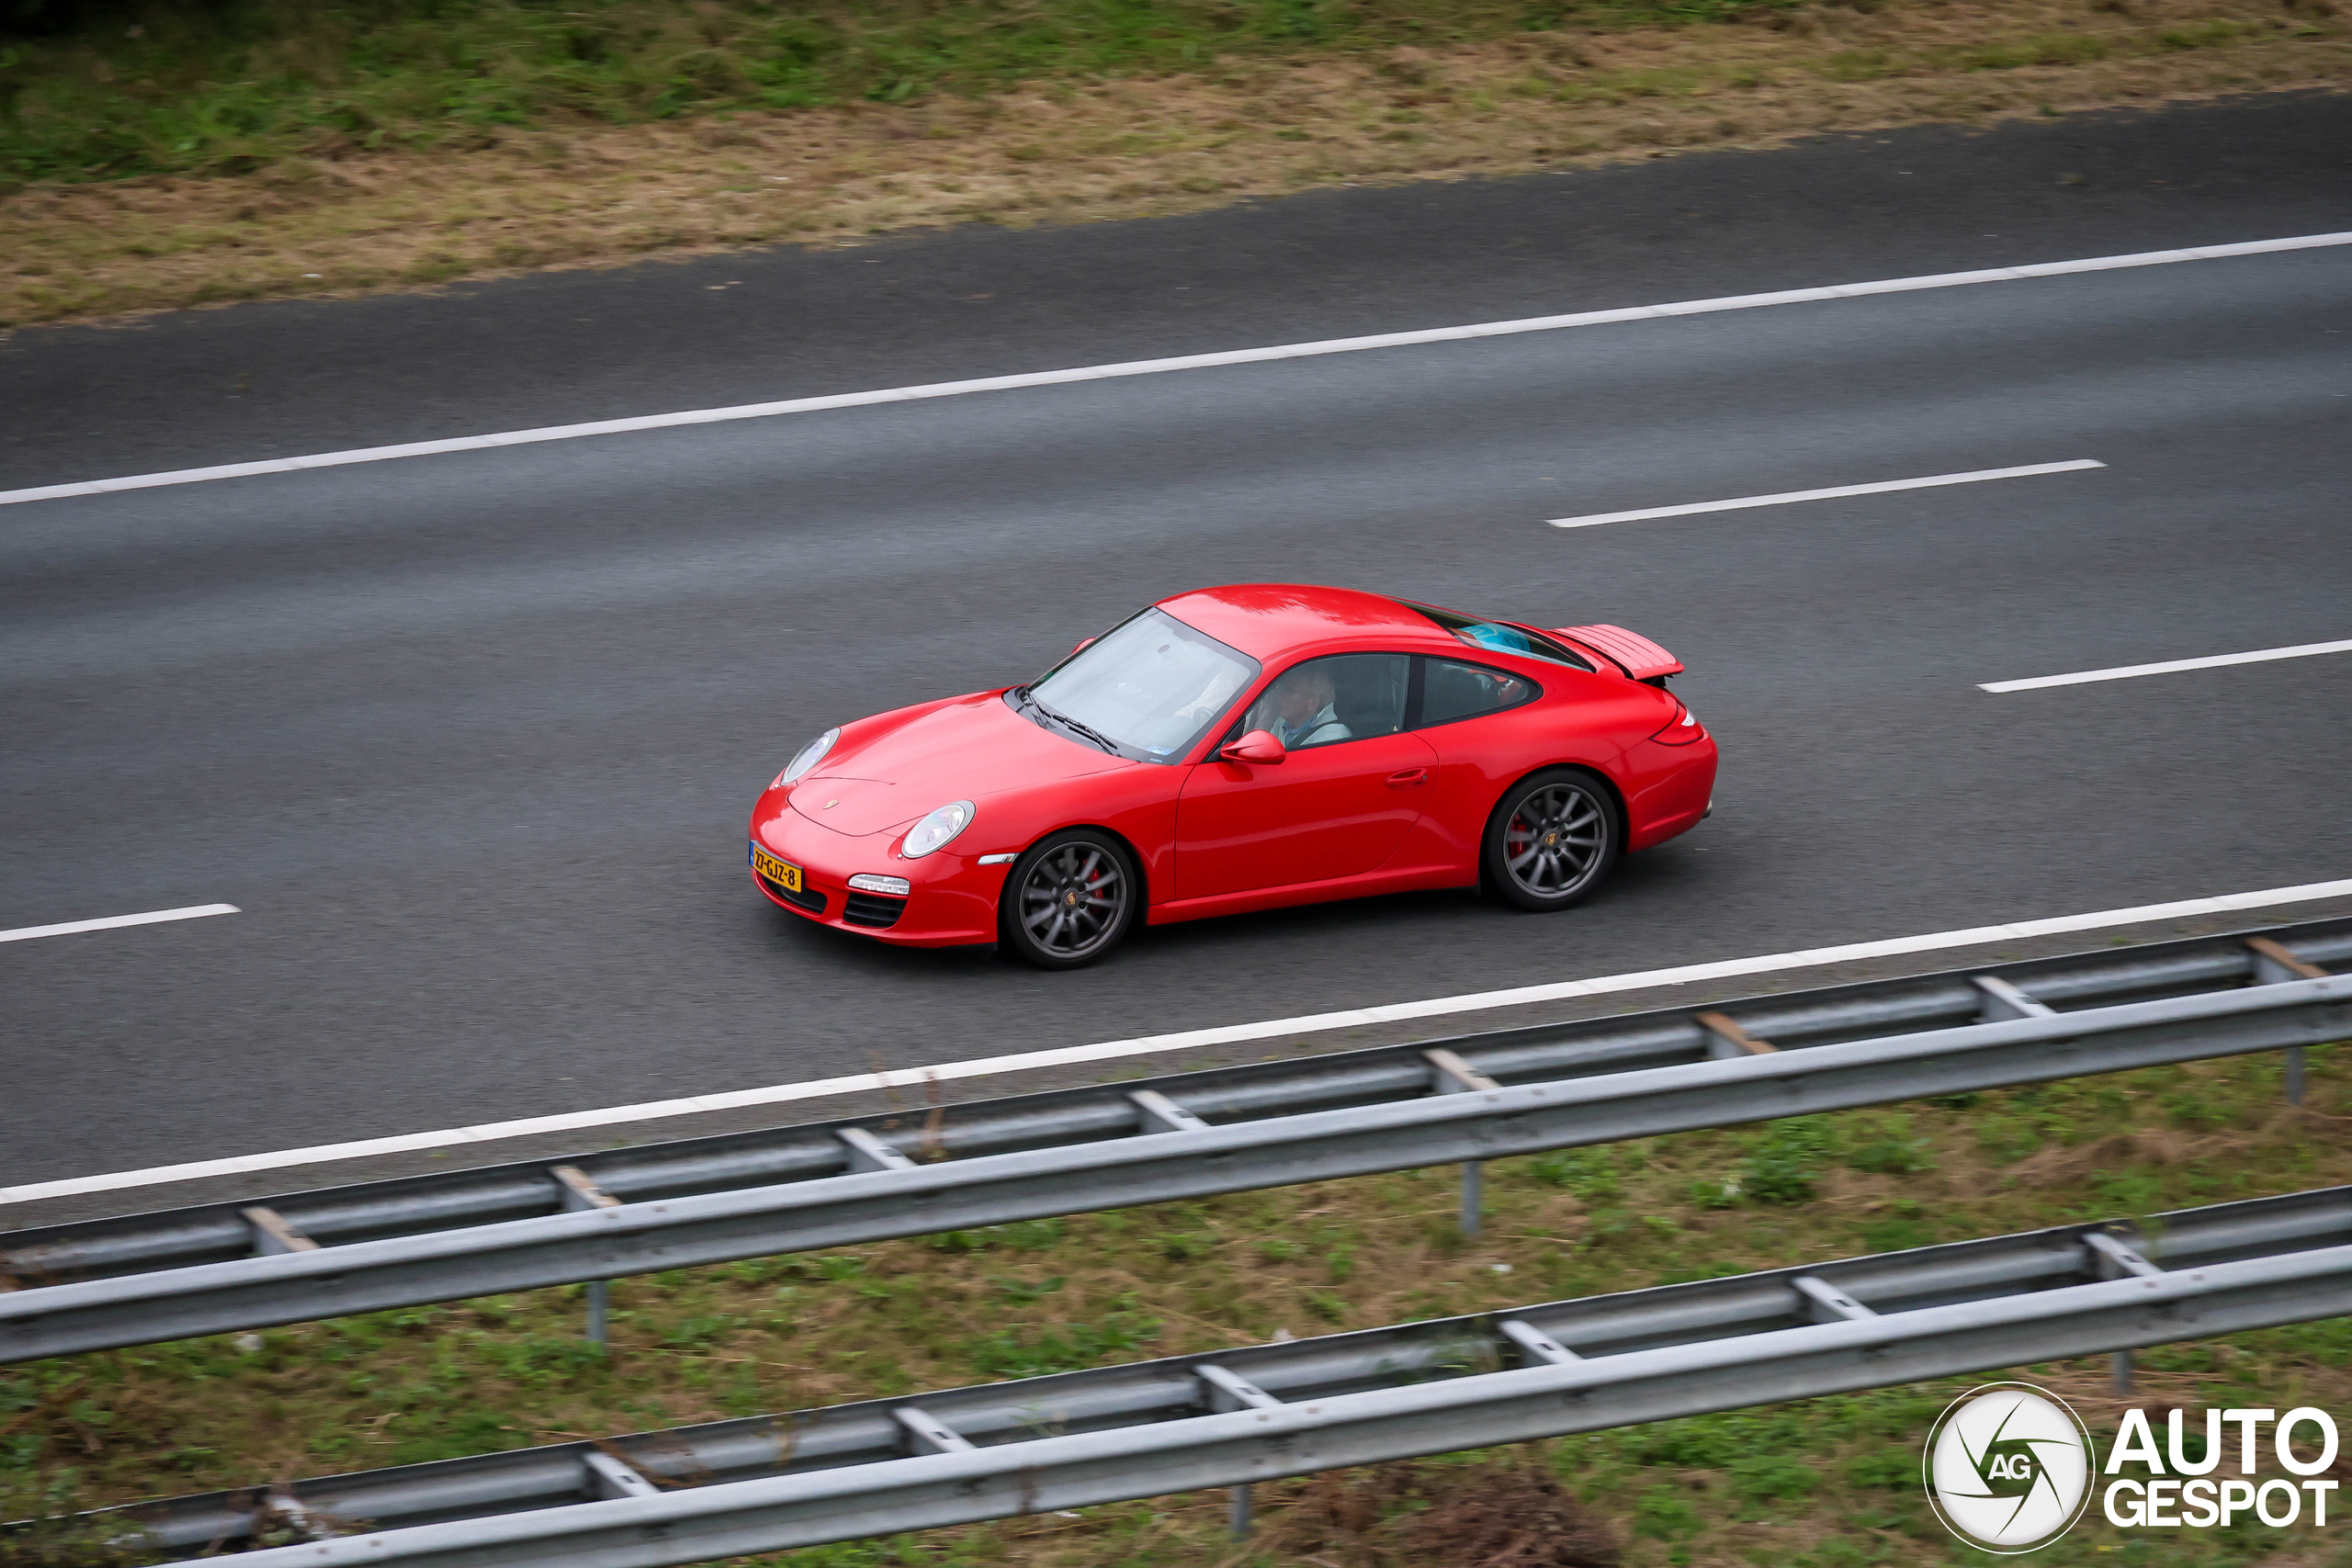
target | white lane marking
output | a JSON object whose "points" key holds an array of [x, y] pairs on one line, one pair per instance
{"points": [[154, 916], [1192, 1039], [2126, 671], [1977, 476], [1182, 362]]}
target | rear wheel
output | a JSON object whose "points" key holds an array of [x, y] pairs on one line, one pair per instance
{"points": [[1551, 841], [1069, 899]]}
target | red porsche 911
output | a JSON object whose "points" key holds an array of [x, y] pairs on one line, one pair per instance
{"points": [[1236, 748]]}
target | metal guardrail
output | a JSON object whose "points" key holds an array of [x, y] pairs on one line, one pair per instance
{"points": [[1232, 1417], [1467, 1100]]}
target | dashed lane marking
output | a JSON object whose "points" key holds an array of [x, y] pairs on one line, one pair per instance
{"points": [[1787, 497], [2127, 671], [153, 917]]}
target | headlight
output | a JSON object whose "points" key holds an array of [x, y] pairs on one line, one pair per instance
{"points": [[807, 757], [936, 830]]}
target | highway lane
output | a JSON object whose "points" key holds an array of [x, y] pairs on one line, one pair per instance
{"points": [[471, 739]]}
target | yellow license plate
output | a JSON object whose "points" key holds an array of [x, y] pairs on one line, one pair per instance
{"points": [[784, 874]]}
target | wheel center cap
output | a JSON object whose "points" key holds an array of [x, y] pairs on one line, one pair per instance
{"points": [[1551, 841], [1071, 897]]}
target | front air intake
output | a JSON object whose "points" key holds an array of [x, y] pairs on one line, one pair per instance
{"points": [[873, 911], [805, 899]]}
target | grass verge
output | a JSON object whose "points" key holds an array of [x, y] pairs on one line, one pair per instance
{"points": [[227, 86], [1829, 1482], [557, 187]]}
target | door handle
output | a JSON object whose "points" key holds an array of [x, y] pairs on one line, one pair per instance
{"points": [[1408, 778]]}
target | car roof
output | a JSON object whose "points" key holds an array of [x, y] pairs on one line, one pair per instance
{"points": [[1266, 620]]}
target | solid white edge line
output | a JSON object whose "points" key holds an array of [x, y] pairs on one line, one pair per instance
{"points": [[154, 916], [2126, 671], [915, 1077], [1694, 508], [1183, 362]]}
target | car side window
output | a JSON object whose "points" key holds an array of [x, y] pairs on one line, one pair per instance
{"points": [[1451, 690], [1325, 701]]}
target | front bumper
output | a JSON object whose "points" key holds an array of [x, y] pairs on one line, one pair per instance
{"points": [[952, 901]]}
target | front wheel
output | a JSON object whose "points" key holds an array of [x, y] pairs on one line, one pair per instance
{"points": [[1069, 899], [1551, 841]]}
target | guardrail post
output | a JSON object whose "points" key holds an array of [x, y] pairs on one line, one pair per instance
{"points": [[1449, 1073], [2273, 964], [608, 1478], [581, 1193], [274, 1234], [1157, 1114], [867, 1152], [927, 1434], [1824, 1303], [2112, 1259], [1536, 1348], [1222, 1390], [288, 1507], [1727, 1042], [1998, 1001]]}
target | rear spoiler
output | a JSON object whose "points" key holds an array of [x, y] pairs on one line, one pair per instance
{"points": [[1630, 651]]}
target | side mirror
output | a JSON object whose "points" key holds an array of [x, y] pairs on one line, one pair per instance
{"points": [[1083, 645], [1256, 746]]}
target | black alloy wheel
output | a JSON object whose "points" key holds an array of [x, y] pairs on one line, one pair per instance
{"points": [[1068, 900], [1552, 840]]}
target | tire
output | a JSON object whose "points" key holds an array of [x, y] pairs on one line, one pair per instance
{"points": [[1069, 899], [1552, 840]]}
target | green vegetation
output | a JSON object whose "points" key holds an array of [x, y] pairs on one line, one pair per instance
{"points": [[234, 85], [1828, 1484], [160, 157]]}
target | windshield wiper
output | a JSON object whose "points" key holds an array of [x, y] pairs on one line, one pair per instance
{"points": [[1062, 719]]}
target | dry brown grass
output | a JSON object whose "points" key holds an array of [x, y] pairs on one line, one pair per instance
{"points": [[1064, 152], [1513, 1514]]}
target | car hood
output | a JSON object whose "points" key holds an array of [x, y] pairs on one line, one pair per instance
{"points": [[961, 750]]}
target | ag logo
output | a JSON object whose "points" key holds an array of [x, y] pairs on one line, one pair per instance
{"points": [[2008, 1468]]}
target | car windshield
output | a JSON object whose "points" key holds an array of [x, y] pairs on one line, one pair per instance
{"points": [[1500, 637], [1150, 686]]}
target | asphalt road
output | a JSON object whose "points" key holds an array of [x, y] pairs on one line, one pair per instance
{"points": [[471, 738]]}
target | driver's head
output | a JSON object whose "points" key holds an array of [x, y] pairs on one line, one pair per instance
{"points": [[1303, 693]]}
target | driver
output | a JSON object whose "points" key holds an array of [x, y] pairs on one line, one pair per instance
{"points": [[1304, 714]]}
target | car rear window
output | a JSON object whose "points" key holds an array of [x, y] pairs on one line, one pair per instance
{"points": [[1499, 637]]}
